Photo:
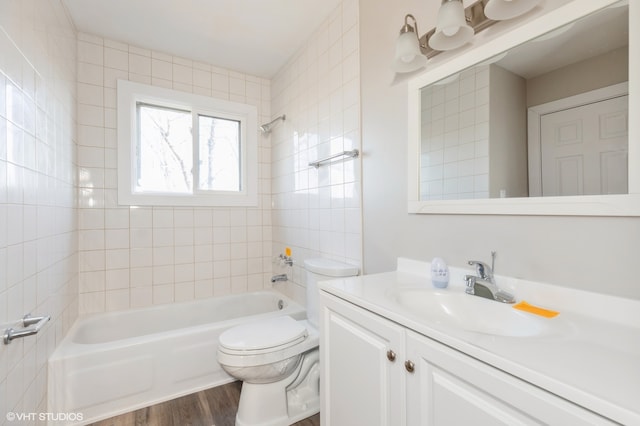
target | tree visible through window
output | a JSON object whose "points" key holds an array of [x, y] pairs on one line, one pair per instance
{"points": [[219, 154], [183, 149], [165, 152]]}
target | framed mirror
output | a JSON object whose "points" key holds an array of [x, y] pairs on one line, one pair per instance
{"points": [[532, 121]]}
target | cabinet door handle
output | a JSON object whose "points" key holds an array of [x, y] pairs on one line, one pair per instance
{"points": [[409, 366], [391, 355]]}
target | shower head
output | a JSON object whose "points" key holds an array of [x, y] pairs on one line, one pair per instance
{"points": [[266, 128]]}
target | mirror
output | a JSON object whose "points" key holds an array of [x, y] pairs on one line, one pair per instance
{"points": [[476, 141], [514, 122]]}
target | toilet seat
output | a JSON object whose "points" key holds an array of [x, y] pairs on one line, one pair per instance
{"points": [[272, 335]]}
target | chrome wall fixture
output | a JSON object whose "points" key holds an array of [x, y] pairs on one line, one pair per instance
{"points": [[354, 153], [30, 326], [455, 27], [266, 128]]}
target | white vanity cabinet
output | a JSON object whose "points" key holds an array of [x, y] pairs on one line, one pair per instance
{"points": [[362, 377], [377, 372], [448, 387]]}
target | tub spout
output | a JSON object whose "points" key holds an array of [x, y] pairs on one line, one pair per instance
{"points": [[281, 277]]}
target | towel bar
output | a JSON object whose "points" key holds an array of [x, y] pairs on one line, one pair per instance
{"points": [[30, 325], [353, 153]]}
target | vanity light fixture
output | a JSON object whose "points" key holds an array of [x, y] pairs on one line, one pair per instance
{"points": [[499, 10], [455, 27], [452, 30], [409, 56]]}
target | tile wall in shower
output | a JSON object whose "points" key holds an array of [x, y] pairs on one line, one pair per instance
{"points": [[38, 238], [133, 257], [317, 212]]}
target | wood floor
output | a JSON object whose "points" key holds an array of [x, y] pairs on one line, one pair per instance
{"points": [[212, 407]]}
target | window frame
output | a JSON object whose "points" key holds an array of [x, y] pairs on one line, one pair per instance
{"points": [[130, 94]]}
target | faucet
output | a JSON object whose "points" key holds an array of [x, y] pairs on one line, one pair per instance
{"points": [[483, 284], [281, 277], [285, 260]]}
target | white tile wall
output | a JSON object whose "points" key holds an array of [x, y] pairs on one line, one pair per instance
{"points": [[135, 257], [67, 247], [317, 212], [455, 132], [38, 237]]}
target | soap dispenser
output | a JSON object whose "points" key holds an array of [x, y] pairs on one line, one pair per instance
{"points": [[439, 273]]}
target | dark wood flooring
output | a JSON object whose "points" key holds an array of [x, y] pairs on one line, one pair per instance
{"points": [[211, 407]]}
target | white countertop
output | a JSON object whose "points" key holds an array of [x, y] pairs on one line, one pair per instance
{"points": [[591, 358]]}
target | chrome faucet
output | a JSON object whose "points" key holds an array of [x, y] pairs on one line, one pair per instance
{"points": [[285, 260], [483, 284], [281, 277]]}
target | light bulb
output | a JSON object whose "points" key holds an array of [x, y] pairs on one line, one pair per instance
{"points": [[407, 58], [499, 10], [450, 31]]}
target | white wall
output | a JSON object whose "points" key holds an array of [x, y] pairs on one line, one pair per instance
{"points": [[317, 212], [591, 253], [604, 70], [133, 257], [38, 238], [508, 134]]}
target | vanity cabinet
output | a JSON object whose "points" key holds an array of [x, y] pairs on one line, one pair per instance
{"points": [[377, 372], [362, 379]]}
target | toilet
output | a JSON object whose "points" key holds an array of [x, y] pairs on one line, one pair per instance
{"points": [[278, 359]]}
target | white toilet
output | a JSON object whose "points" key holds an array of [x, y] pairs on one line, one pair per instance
{"points": [[278, 359]]}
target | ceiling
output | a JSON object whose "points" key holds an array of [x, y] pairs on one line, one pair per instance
{"points": [[256, 37]]}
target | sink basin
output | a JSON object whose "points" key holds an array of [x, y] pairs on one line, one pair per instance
{"points": [[471, 313]]}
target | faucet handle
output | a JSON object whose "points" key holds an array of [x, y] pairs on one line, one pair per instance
{"points": [[470, 281], [482, 269], [285, 259]]}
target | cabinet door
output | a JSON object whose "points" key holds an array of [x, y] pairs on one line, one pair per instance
{"points": [[362, 383], [451, 388]]}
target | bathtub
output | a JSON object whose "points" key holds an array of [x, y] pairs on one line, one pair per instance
{"points": [[116, 362]]}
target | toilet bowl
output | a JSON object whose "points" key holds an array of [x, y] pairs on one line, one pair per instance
{"points": [[280, 377], [278, 359]]}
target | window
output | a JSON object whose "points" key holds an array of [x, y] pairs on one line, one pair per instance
{"points": [[176, 148]]}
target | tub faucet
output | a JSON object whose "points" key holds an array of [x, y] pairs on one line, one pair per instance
{"points": [[281, 277], [483, 284], [285, 260]]}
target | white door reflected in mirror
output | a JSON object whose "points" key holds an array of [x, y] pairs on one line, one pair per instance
{"points": [[584, 149]]}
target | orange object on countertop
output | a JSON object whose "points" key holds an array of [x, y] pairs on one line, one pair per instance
{"points": [[524, 306]]}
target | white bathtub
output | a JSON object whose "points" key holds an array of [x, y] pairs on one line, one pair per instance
{"points": [[112, 363]]}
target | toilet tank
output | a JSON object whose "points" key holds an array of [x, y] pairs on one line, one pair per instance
{"points": [[321, 270]]}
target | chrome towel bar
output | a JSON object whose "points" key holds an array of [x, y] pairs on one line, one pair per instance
{"points": [[353, 154], [30, 325]]}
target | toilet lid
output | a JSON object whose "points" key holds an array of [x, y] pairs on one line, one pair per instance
{"points": [[271, 333]]}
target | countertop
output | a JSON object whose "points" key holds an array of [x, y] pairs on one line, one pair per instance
{"points": [[591, 358]]}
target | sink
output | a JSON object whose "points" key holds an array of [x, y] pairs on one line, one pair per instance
{"points": [[471, 313]]}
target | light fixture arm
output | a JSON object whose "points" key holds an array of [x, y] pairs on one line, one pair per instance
{"points": [[406, 28]]}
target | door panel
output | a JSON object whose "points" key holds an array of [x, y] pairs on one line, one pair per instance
{"points": [[584, 149], [448, 388], [361, 385]]}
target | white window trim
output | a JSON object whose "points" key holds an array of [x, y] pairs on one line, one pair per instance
{"points": [[130, 93]]}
